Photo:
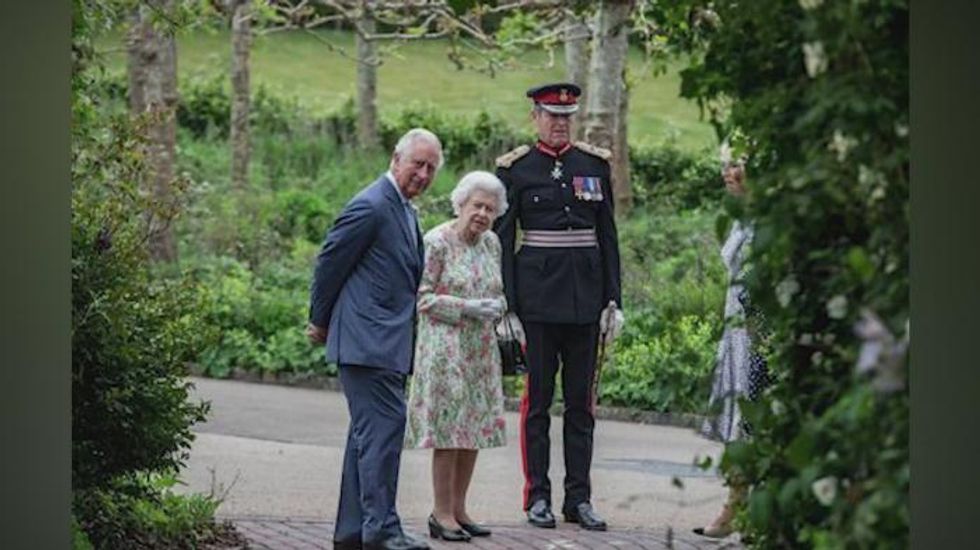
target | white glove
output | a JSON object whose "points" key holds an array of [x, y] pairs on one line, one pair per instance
{"points": [[483, 308], [611, 322], [516, 327]]}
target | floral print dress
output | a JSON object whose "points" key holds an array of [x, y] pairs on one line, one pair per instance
{"points": [[456, 400]]}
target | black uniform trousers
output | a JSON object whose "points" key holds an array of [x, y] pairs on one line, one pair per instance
{"points": [[573, 348]]}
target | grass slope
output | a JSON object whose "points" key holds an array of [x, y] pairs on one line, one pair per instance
{"points": [[299, 64]]}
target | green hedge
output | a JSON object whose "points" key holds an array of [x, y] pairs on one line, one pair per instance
{"points": [[819, 90]]}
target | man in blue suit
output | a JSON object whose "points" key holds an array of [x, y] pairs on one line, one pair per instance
{"points": [[362, 305]]}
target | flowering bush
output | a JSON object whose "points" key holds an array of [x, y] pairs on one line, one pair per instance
{"points": [[820, 90]]}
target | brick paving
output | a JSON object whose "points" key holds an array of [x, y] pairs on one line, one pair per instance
{"points": [[309, 534]]}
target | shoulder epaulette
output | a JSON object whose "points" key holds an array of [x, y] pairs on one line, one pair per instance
{"points": [[505, 160], [604, 154]]}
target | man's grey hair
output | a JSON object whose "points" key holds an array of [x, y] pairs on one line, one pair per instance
{"points": [[479, 180], [413, 136]]}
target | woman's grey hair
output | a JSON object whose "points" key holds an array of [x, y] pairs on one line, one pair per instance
{"points": [[479, 180], [411, 137]]}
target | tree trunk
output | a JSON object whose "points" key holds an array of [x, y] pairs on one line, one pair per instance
{"points": [[153, 92], [622, 184], [577, 67], [605, 77], [367, 82], [241, 39], [137, 36]]}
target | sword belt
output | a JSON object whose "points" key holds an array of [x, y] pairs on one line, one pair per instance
{"points": [[568, 238]]}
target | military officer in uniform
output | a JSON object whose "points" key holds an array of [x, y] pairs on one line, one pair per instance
{"points": [[564, 287]]}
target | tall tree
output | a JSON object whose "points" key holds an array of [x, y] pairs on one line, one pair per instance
{"points": [[577, 53], [153, 93], [367, 79], [241, 40], [623, 190], [606, 69]]}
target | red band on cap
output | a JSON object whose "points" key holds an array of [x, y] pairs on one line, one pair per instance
{"points": [[556, 98]]}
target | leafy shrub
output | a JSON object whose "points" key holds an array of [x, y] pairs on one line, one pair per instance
{"points": [[668, 176], [821, 92], [205, 107], [144, 512], [663, 370], [132, 332]]}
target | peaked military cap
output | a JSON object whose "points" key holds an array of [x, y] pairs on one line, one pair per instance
{"points": [[560, 98]]}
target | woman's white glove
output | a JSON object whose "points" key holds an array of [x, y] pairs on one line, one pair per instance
{"points": [[483, 308], [611, 322], [515, 326]]}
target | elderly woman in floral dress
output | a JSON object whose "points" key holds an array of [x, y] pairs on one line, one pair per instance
{"points": [[455, 404]]}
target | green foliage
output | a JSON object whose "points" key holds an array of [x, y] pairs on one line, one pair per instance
{"points": [[821, 91], [132, 332], [661, 366], [668, 176], [134, 328], [144, 512]]}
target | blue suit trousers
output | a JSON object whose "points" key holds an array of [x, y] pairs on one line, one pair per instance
{"points": [[368, 487]]}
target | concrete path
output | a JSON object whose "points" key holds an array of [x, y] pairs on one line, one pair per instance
{"points": [[275, 455]]}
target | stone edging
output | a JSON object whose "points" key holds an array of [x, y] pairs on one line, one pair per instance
{"points": [[331, 383]]}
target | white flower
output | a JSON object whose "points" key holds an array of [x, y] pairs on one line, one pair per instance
{"points": [[806, 339], [867, 176], [786, 289], [841, 144], [816, 358], [810, 4], [777, 407], [825, 489], [725, 152], [881, 354], [901, 130], [814, 58], [837, 307]]}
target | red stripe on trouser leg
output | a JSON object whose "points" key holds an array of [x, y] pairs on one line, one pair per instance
{"points": [[525, 403]]}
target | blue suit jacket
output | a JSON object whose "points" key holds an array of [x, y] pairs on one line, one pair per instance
{"points": [[365, 283]]}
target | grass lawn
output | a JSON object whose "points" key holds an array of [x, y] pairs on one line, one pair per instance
{"points": [[298, 64]]}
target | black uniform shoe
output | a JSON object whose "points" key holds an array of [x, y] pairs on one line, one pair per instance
{"points": [[584, 515], [347, 544], [539, 514], [475, 529], [437, 531]]}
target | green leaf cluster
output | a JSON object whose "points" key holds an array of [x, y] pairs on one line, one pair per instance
{"points": [[821, 91]]}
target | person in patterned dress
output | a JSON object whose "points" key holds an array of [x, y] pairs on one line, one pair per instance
{"points": [[456, 401], [740, 367]]}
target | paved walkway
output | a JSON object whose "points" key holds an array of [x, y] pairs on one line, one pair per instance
{"points": [[274, 454]]}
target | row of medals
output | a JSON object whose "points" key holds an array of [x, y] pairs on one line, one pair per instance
{"points": [[556, 175]]}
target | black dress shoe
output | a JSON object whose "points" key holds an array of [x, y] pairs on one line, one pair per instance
{"points": [[539, 514], [347, 544], [437, 531], [475, 530], [399, 542], [584, 515]]}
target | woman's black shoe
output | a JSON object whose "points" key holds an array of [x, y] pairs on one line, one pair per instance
{"points": [[437, 531], [475, 530]]}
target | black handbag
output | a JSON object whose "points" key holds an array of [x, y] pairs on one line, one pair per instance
{"points": [[512, 360]]}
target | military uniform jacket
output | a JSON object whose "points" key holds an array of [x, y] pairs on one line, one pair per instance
{"points": [[559, 285]]}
